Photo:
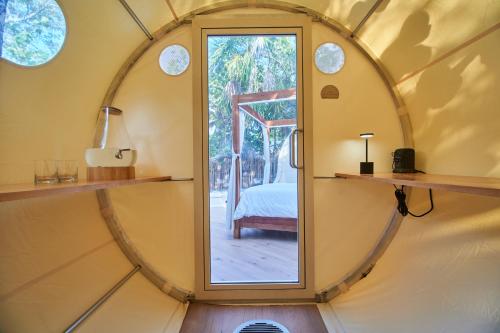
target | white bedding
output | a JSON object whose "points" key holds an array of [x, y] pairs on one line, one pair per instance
{"points": [[269, 200]]}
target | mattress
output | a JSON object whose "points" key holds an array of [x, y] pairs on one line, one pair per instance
{"points": [[269, 200]]}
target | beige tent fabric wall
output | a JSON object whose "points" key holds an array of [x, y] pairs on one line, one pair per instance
{"points": [[153, 13], [364, 105], [159, 218], [58, 257], [158, 111], [137, 307], [454, 108], [52, 249], [441, 272], [347, 12], [347, 224], [49, 112], [407, 35]]}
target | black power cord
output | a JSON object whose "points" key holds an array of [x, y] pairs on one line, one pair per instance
{"points": [[403, 208], [401, 197]]}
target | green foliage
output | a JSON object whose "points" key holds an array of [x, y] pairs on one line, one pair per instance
{"points": [[242, 65], [34, 31]]}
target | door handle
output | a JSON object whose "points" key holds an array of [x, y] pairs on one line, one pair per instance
{"points": [[291, 146]]}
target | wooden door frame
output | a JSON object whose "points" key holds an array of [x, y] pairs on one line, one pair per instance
{"points": [[261, 24]]}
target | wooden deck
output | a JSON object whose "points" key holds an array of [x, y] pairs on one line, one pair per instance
{"points": [[258, 256]]}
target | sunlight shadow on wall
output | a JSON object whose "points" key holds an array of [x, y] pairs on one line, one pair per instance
{"points": [[453, 22], [409, 44], [360, 9], [452, 106]]}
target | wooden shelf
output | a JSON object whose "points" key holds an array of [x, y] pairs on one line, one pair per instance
{"points": [[464, 184], [25, 191]]}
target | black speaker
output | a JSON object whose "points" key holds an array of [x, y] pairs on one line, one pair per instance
{"points": [[403, 160]]}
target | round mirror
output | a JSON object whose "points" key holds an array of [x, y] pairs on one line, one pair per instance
{"points": [[174, 59], [329, 58]]}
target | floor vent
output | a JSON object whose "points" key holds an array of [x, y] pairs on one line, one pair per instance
{"points": [[261, 326]]}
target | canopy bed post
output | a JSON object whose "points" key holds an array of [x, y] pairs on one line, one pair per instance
{"points": [[237, 152], [236, 147], [266, 133], [241, 106]]}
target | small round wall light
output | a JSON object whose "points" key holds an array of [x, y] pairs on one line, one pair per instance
{"points": [[174, 59], [329, 58]]}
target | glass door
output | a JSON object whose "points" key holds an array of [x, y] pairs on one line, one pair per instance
{"points": [[253, 158], [253, 154], [252, 112]]}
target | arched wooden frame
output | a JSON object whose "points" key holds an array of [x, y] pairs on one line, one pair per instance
{"points": [[394, 222]]}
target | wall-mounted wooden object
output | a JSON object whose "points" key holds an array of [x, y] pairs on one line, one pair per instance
{"points": [[26, 191], [465, 184], [110, 173], [330, 92]]}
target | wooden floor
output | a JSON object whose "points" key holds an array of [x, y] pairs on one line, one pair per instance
{"points": [[206, 318], [258, 256]]}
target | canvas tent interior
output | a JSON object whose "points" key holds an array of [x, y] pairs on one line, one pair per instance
{"points": [[422, 74]]}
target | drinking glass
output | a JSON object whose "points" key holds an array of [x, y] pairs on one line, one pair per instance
{"points": [[46, 172], [67, 171]]}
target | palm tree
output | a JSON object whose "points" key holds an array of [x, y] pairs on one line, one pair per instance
{"points": [[248, 64]]}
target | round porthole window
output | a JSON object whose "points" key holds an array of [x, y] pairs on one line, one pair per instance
{"points": [[31, 32], [329, 58], [174, 59]]}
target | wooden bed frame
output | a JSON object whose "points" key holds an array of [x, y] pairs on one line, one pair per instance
{"points": [[244, 102], [265, 223]]}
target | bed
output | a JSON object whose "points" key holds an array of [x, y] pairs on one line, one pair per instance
{"points": [[269, 207]]}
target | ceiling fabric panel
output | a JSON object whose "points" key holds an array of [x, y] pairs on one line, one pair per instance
{"points": [[153, 13], [347, 12], [423, 31]]}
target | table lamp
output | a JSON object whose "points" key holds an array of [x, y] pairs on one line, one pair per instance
{"points": [[366, 167]]}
